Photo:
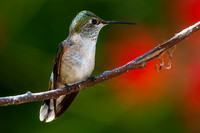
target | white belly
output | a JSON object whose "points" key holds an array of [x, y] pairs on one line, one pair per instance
{"points": [[76, 67]]}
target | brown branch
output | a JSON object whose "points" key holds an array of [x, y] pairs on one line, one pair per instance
{"points": [[138, 63]]}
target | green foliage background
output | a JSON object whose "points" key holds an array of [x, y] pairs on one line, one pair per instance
{"points": [[30, 31]]}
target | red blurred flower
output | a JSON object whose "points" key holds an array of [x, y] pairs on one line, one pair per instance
{"points": [[186, 11], [137, 86]]}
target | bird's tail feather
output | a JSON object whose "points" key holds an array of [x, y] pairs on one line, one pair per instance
{"points": [[47, 112], [53, 108]]}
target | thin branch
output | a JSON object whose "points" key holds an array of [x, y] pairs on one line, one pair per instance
{"points": [[138, 63]]}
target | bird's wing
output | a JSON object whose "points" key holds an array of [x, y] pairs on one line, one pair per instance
{"points": [[52, 108], [57, 65], [63, 102]]}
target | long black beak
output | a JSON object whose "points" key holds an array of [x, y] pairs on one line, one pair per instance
{"points": [[117, 22]]}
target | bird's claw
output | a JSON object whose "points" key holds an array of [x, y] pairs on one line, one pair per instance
{"points": [[68, 87], [92, 79]]}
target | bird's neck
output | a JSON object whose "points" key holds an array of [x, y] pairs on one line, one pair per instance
{"points": [[79, 39], [84, 44]]}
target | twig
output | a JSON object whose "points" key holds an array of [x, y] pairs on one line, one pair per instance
{"points": [[138, 63]]}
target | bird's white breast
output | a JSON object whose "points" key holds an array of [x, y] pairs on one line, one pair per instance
{"points": [[78, 62]]}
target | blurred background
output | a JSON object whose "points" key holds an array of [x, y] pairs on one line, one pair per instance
{"points": [[140, 101]]}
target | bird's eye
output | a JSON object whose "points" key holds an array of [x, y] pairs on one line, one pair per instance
{"points": [[94, 21]]}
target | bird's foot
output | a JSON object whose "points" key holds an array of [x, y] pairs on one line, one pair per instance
{"points": [[93, 79], [68, 87], [71, 88]]}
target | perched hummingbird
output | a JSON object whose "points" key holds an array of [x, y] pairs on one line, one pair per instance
{"points": [[74, 61]]}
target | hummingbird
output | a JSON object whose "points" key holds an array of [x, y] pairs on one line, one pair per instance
{"points": [[74, 61]]}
